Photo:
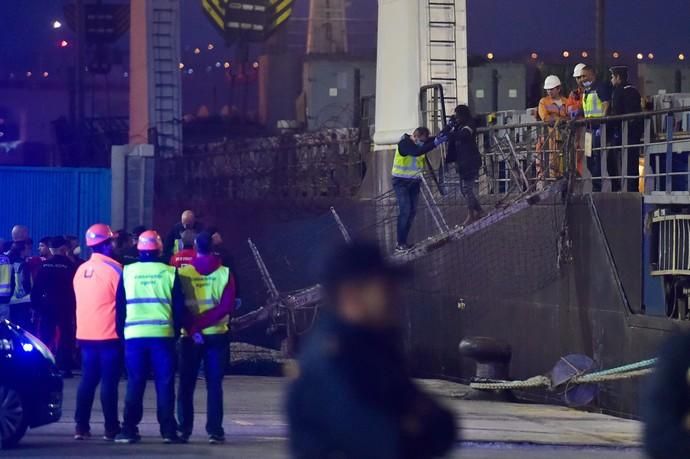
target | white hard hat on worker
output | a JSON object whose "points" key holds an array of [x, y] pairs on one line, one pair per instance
{"points": [[577, 71], [552, 81]]}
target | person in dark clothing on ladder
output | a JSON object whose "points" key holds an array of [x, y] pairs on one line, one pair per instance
{"points": [[464, 152], [408, 167]]}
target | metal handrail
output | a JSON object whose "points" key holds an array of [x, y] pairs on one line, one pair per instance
{"points": [[585, 122]]}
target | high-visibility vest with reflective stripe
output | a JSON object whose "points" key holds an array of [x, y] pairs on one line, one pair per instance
{"points": [[6, 269], [203, 292], [592, 105], [409, 167], [148, 288]]}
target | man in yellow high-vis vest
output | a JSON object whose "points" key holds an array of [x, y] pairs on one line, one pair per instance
{"points": [[595, 105], [209, 291], [408, 166], [150, 310]]}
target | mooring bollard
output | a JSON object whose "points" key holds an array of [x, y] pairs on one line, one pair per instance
{"points": [[492, 358]]}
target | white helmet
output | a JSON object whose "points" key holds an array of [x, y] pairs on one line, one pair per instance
{"points": [[552, 81], [577, 72]]}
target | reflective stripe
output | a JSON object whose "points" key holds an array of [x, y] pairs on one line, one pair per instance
{"points": [[117, 269], [593, 106], [409, 167], [198, 302], [148, 287], [148, 301], [147, 322], [203, 293]]}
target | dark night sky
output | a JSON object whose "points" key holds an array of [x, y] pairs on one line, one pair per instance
{"points": [[504, 27]]}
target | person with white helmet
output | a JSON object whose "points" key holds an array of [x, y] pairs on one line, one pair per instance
{"points": [[552, 110], [575, 112]]}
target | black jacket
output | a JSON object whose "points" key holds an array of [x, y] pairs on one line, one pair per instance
{"points": [[353, 399], [625, 100], [408, 147], [666, 402], [52, 294], [463, 150]]}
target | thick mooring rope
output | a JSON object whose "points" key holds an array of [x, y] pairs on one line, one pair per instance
{"points": [[630, 371]]}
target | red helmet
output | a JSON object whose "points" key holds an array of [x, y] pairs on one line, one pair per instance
{"points": [[149, 240], [100, 232]]}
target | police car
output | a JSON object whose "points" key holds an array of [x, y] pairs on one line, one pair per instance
{"points": [[30, 384]]}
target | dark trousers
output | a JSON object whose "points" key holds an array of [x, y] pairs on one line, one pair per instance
{"points": [[140, 355], [594, 162], [213, 352], [101, 362], [633, 163], [407, 194], [467, 188], [59, 335]]}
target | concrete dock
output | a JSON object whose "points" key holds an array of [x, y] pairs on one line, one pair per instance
{"points": [[256, 428]]}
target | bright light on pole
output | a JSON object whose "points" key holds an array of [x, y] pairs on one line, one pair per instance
{"points": [[57, 24], [681, 57]]}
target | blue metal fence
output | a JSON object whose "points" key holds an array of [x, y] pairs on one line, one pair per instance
{"points": [[53, 201]]}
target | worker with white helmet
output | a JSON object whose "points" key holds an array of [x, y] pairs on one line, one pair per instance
{"points": [[575, 112], [552, 110]]}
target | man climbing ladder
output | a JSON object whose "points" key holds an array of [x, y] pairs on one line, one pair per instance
{"points": [[408, 167]]}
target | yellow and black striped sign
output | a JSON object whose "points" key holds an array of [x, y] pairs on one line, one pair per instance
{"points": [[247, 20]]}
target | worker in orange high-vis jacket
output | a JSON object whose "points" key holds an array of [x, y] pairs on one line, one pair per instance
{"points": [[95, 288]]}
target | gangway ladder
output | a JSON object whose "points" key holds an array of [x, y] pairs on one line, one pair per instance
{"points": [[273, 292], [434, 209], [341, 226], [442, 49], [509, 156], [432, 110], [167, 86]]}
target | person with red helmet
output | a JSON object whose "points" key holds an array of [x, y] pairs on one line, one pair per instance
{"points": [[95, 289], [150, 308]]}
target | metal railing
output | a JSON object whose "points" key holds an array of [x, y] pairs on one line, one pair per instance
{"points": [[528, 155]]}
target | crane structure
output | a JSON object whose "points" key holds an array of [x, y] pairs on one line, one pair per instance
{"points": [[420, 42], [327, 33]]}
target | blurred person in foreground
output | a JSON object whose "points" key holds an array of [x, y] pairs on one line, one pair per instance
{"points": [[352, 397], [666, 402]]}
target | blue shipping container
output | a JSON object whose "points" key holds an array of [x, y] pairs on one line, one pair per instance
{"points": [[53, 201]]}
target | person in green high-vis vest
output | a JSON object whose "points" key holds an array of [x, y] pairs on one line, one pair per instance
{"points": [[150, 312], [408, 166], [209, 291]]}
